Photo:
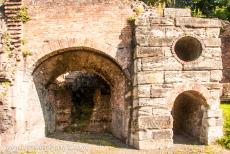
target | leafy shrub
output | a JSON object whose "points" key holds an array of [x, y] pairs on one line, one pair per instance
{"points": [[23, 14]]}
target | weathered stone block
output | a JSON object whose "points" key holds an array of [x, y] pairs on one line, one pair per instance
{"points": [[153, 102], [160, 42], [212, 53], [161, 21], [213, 133], [204, 64], [197, 22], [157, 31], [150, 77], [177, 12], [214, 122], [172, 64], [212, 42], [154, 134], [137, 65], [153, 63], [216, 75], [149, 52], [142, 40], [142, 111], [173, 32], [154, 144], [185, 76], [161, 112], [142, 91], [157, 92], [212, 85], [162, 134], [213, 114], [141, 30], [142, 21], [155, 122], [213, 32]]}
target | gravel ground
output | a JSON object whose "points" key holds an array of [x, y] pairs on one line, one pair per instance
{"points": [[88, 143]]}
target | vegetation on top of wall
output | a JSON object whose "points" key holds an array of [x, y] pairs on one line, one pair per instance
{"points": [[23, 14], [26, 52], [137, 11], [200, 8], [7, 46], [225, 141]]}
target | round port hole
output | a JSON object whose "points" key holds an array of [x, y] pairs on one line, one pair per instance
{"points": [[188, 48]]}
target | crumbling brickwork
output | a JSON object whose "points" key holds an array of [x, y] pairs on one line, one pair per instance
{"points": [[176, 66]]}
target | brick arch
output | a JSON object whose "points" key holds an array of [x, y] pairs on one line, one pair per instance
{"points": [[59, 46], [51, 65], [179, 89]]}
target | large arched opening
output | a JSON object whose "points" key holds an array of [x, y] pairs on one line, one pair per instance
{"points": [[188, 118], [82, 90]]}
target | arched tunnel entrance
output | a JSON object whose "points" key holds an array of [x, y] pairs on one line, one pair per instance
{"points": [[82, 90], [188, 124], [81, 101]]}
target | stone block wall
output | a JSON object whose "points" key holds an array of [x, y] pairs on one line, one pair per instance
{"points": [[164, 69]]}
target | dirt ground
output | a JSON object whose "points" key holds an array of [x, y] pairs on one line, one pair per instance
{"points": [[88, 143]]}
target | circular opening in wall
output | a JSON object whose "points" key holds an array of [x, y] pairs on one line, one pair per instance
{"points": [[188, 48]]}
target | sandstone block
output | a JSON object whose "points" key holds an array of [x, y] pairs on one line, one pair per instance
{"points": [[172, 64], [204, 64], [213, 32], [213, 114], [150, 77], [142, 21], [143, 111], [142, 40], [149, 52], [142, 91], [157, 31], [154, 134], [160, 42], [173, 31], [212, 42], [157, 92], [154, 144], [214, 133], [153, 63], [216, 75], [197, 22], [153, 102], [137, 65], [161, 21], [214, 122], [155, 122], [177, 12], [179, 76]]}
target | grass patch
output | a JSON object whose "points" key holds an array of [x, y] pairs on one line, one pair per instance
{"points": [[225, 141]]}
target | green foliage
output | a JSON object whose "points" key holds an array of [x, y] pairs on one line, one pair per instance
{"points": [[225, 141], [26, 52], [132, 18], [200, 8], [7, 47], [158, 2], [207, 8], [24, 41], [5, 84], [23, 14], [138, 10]]}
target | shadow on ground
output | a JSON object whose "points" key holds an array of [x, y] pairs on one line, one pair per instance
{"points": [[100, 139]]}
